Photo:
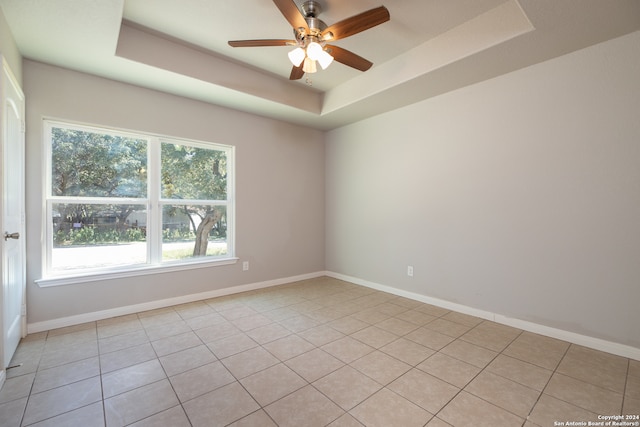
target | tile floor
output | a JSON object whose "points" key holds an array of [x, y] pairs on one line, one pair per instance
{"points": [[320, 352]]}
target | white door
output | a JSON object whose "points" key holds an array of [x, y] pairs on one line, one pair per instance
{"points": [[12, 239]]}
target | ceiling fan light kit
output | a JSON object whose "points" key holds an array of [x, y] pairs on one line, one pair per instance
{"points": [[309, 66], [314, 50], [325, 59], [311, 36], [296, 56]]}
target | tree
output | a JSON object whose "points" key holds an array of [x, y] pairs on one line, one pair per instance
{"points": [[211, 219], [88, 164], [191, 173]]}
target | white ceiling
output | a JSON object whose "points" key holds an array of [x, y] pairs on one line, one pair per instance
{"points": [[428, 47]]}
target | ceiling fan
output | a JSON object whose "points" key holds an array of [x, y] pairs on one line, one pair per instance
{"points": [[311, 37]]}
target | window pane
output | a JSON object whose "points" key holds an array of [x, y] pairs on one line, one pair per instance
{"points": [[190, 231], [102, 216], [193, 173], [97, 165], [95, 235]]}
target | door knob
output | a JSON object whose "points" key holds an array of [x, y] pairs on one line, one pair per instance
{"points": [[8, 236]]}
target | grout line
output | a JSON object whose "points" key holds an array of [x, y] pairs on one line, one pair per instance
{"points": [[553, 372], [624, 390], [104, 409], [474, 377]]}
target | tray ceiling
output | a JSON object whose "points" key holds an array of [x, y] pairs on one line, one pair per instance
{"points": [[429, 47]]}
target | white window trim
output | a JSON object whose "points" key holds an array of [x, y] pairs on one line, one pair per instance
{"points": [[131, 272], [51, 278]]}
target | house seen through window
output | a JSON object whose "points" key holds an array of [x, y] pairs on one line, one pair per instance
{"points": [[118, 201]]}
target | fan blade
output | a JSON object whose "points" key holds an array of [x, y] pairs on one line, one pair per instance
{"points": [[349, 58], [356, 24], [291, 12], [296, 73], [261, 43]]}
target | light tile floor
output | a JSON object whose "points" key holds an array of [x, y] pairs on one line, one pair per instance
{"points": [[320, 352]]}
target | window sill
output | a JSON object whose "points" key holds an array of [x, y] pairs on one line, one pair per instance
{"points": [[137, 271]]}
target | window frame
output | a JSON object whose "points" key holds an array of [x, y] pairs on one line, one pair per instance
{"points": [[153, 201]]}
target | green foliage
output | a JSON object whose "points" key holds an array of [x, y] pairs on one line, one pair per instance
{"points": [[87, 164], [177, 234], [109, 236], [134, 235], [193, 173], [90, 164], [83, 235], [60, 238], [91, 236]]}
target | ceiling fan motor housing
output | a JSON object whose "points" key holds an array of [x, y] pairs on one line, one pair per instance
{"points": [[310, 9]]}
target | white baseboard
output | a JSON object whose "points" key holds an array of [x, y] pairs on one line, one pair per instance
{"points": [[152, 305], [572, 337]]}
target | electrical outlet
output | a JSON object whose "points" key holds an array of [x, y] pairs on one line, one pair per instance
{"points": [[245, 266], [410, 270]]}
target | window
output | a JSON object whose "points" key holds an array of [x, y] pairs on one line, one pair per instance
{"points": [[118, 201]]}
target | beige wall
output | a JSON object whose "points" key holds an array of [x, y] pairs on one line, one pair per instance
{"points": [[518, 196], [279, 188]]}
